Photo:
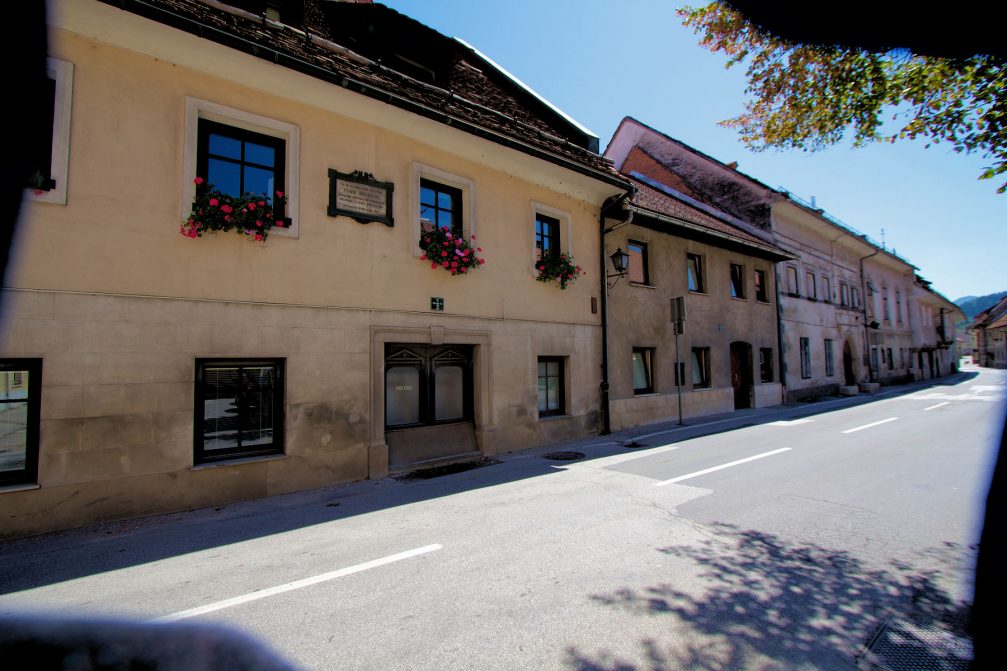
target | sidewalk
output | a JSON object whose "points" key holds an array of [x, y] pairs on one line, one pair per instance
{"points": [[669, 429]]}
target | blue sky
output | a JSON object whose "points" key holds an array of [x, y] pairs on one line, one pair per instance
{"points": [[601, 60]]}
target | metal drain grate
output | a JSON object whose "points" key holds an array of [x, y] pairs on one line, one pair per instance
{"points": [[902, 645]]}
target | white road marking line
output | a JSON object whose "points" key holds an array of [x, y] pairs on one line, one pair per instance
{"points": [[717, 468], [867, 426], [297, 584], [937, 406], [790, 422]]}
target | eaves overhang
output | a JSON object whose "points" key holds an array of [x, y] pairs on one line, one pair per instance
{"points": [[674, 225]]}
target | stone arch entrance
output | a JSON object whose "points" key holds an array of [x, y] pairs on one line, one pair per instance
{"points": [[849, 375]]}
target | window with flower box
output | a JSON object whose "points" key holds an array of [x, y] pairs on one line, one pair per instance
{"points": [[442, 200], [237, 152], [50, 156]]}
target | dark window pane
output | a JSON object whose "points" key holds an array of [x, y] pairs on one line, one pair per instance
{"points": [[256, 406], [428, 213], [402, 396], [444, 201], [13, 385], [637, 272], [449, 393], [444, 219], [221, 145], [260, 154], [225, 176], [13, 436], [220, 408], [428, 196], [259, 181]]}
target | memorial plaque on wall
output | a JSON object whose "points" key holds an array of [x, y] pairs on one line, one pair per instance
{"points": [[360, 196]]}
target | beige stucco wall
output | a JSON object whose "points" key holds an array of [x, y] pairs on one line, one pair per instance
{"points": [[119, 305], [640, 316], [828, 252]]}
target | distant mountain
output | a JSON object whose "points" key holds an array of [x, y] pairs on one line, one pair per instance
{"points": [[973, 305]]}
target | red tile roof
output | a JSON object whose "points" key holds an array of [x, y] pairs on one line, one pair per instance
{"points": [[464, 90]]}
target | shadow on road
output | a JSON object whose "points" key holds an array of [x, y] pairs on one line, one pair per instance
{"points": [[767, 604]]}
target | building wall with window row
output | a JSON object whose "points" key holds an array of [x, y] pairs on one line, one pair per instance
{"points": [[283, 346]]}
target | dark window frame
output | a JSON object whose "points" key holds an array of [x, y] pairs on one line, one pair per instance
{"points": [[456, 210], [647, 355], [547, 235], [694, 269], [793, 282], [644, 261], [830, 363], [704, 368], [805, 352], [206, 127], [426, 360], [28, 474], [737, 277], [203, 456], [810, 285], [765, 364], [559, 407], [761, 288]]}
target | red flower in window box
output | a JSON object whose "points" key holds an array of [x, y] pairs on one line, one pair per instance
{"points": [[248, 215], [559, 267], [455, 252]]}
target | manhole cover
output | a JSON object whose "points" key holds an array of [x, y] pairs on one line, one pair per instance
{"points": [[902, 645], [563, 456]]}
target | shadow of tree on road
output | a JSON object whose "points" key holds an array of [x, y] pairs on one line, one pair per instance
{"points": [[760, 603]]}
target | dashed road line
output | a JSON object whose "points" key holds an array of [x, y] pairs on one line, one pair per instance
{"points": [[937, 406], [718, 468], [867, 426], [297, 584]]}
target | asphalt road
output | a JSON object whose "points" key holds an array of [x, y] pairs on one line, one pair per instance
{"points": [[779, 545]]}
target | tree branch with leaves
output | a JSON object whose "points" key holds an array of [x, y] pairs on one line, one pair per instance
{"points": [[804, 96]]}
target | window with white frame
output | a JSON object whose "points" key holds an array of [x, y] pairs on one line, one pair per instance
{"points": [[428, 180], [241, 152], [50, 157], [551, 232]]}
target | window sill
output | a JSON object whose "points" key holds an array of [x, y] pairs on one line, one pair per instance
{"points": [[698, 293], [762, 302], [642, 285], [552, 418], [739, 298], [237, 461], [21, 487], [641, 394]]}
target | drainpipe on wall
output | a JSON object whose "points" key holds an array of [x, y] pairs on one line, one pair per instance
{"points": [[625, 216], [867, 332]]}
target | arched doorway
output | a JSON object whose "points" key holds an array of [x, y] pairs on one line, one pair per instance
{"points": [[741, 374], [849, 376]]}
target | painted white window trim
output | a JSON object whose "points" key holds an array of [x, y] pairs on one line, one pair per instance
{"points": [[465, 185], [196, 109], [62, 73], [565, 230]]}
